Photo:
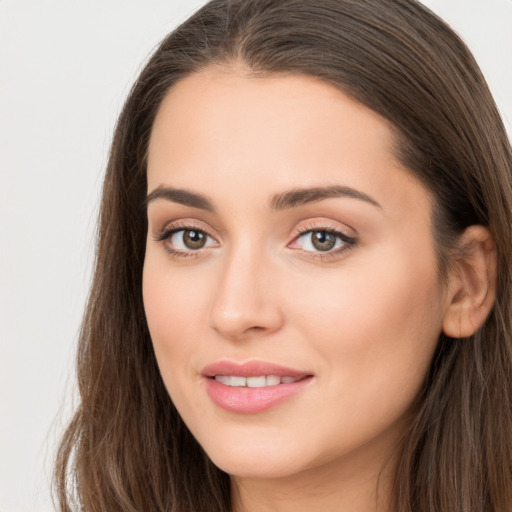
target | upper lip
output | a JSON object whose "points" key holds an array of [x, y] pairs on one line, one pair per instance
{"points": [[251, 369]]}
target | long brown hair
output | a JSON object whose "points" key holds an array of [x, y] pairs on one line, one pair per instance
{"points": [[126, 449]]}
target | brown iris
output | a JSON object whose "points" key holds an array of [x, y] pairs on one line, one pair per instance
{"points": [[194, 239], [323, 240]]}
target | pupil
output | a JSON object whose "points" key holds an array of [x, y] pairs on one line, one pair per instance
{"points": [[323, 241], [194, 239]]}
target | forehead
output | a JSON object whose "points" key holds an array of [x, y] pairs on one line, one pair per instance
{"points": [[209, 103], [224, 126]]}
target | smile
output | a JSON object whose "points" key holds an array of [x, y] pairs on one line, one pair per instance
{"points": [[254, 382], [252, 387]]}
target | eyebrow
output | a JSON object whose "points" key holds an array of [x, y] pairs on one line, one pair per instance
{"points": [[300, 196], [282, 201], [180, 196]]}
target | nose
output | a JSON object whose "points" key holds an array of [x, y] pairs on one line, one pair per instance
{"points": [[246, 302]]}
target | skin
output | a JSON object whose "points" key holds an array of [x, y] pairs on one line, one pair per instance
{"points": [[363, 319]]}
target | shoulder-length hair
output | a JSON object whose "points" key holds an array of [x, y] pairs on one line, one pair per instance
{"points": [[126, 448]]}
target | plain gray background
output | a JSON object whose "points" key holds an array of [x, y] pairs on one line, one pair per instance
{"points": [[65, 69]]}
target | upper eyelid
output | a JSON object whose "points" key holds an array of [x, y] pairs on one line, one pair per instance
{"points": [[347, 239], [300, 229], [184, 224], [348, 243], [326, 225], [170, 230], [310, 229]]}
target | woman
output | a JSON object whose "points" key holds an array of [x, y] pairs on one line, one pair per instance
{"points": [[303, 284]]}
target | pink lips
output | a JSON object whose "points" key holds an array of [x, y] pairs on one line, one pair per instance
{"points": [[251, 400]]}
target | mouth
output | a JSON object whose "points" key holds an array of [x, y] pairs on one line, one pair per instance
{"points": [[252, 387], [261, 381]]}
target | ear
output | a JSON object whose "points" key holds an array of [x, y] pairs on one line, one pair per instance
{"points": [[472, 283]]}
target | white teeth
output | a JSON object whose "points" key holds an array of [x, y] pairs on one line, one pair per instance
{"points": [[225, 379], [288, 380], [273, 380], [254, 382], [238, 381]]}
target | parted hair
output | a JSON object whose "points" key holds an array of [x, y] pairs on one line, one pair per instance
{"points": [[126, 447]]}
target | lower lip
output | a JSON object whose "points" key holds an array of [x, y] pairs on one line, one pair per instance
{"points": [[245, 400]]}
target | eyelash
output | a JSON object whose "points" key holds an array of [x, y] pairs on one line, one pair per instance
{"points": [[166, 234], [347, 242]]}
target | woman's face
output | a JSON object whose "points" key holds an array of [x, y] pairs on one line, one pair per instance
{"points": [[290, 279]]}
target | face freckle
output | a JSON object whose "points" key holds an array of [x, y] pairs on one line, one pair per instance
{"points": [[355, 321]]}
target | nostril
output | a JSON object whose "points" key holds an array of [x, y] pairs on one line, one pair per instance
{"points": [[238, 312]]}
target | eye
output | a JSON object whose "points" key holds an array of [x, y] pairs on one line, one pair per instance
{"points": [[323, 240], [188, 239], [184, 241]]}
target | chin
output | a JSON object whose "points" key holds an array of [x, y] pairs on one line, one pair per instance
{"points": [[260, 467], [255, 457]]}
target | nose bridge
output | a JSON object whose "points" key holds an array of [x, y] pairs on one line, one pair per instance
{"points": [[245, 302]]}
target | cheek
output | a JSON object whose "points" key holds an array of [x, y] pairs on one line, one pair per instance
{"points": [[376, 325], [174, 307]]}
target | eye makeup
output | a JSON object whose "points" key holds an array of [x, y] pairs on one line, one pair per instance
{"points": [[315, 240], [322, 242], [185, 240]]}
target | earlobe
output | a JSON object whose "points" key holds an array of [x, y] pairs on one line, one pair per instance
{"points": [[472, 287]]}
